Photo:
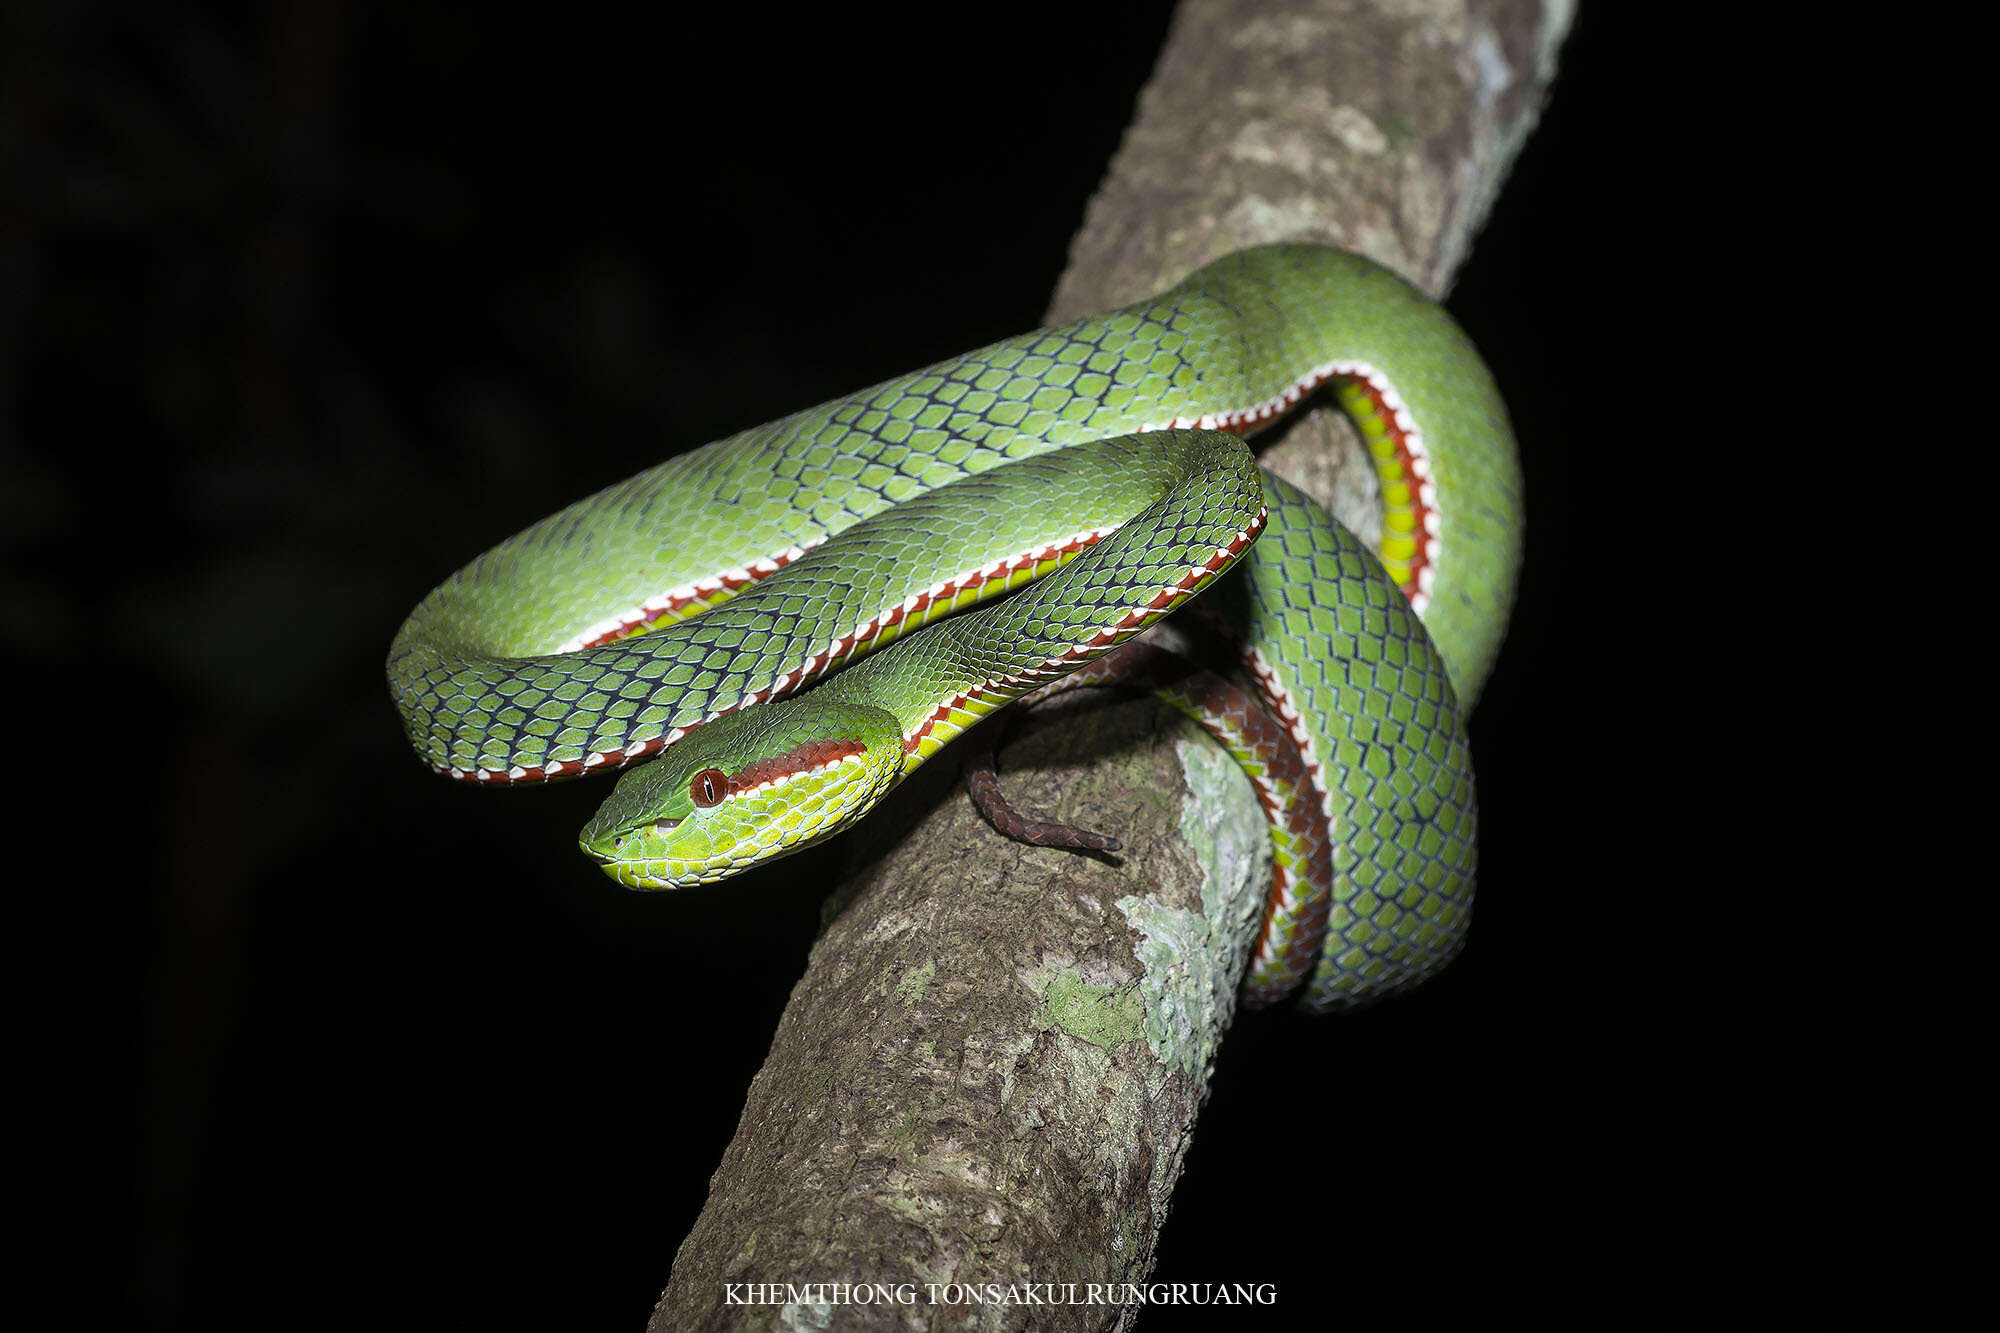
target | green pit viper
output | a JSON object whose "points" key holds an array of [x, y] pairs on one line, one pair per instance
{"points": [[1094, 471]]}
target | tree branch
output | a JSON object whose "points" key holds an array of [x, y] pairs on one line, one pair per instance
{"points": [[990, 1070]]}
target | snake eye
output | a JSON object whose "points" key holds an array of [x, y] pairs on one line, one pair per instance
{"points": [[708, 787]]}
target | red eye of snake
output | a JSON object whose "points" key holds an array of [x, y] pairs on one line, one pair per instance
{"points": [[709, 786]]}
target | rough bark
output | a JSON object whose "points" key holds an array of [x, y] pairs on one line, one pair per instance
{"points": [[990, 1070]]}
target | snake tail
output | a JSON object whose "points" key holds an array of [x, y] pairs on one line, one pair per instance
{"points": [[1358, 757], [1297, 903]]}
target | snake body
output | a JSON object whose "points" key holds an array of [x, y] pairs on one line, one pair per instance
{"points": [[676, 611]]}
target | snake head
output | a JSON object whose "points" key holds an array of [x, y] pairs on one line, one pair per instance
{"points": [[744, 788]]}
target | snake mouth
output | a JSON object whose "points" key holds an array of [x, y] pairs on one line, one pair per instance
{"points": [[609, 847], [609, 844]]}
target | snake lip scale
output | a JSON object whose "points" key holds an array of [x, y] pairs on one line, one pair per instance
{"points": [[793, 766], [834, 548]]}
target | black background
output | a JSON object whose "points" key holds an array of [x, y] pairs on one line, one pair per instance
{"points": [[308, 303]]}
